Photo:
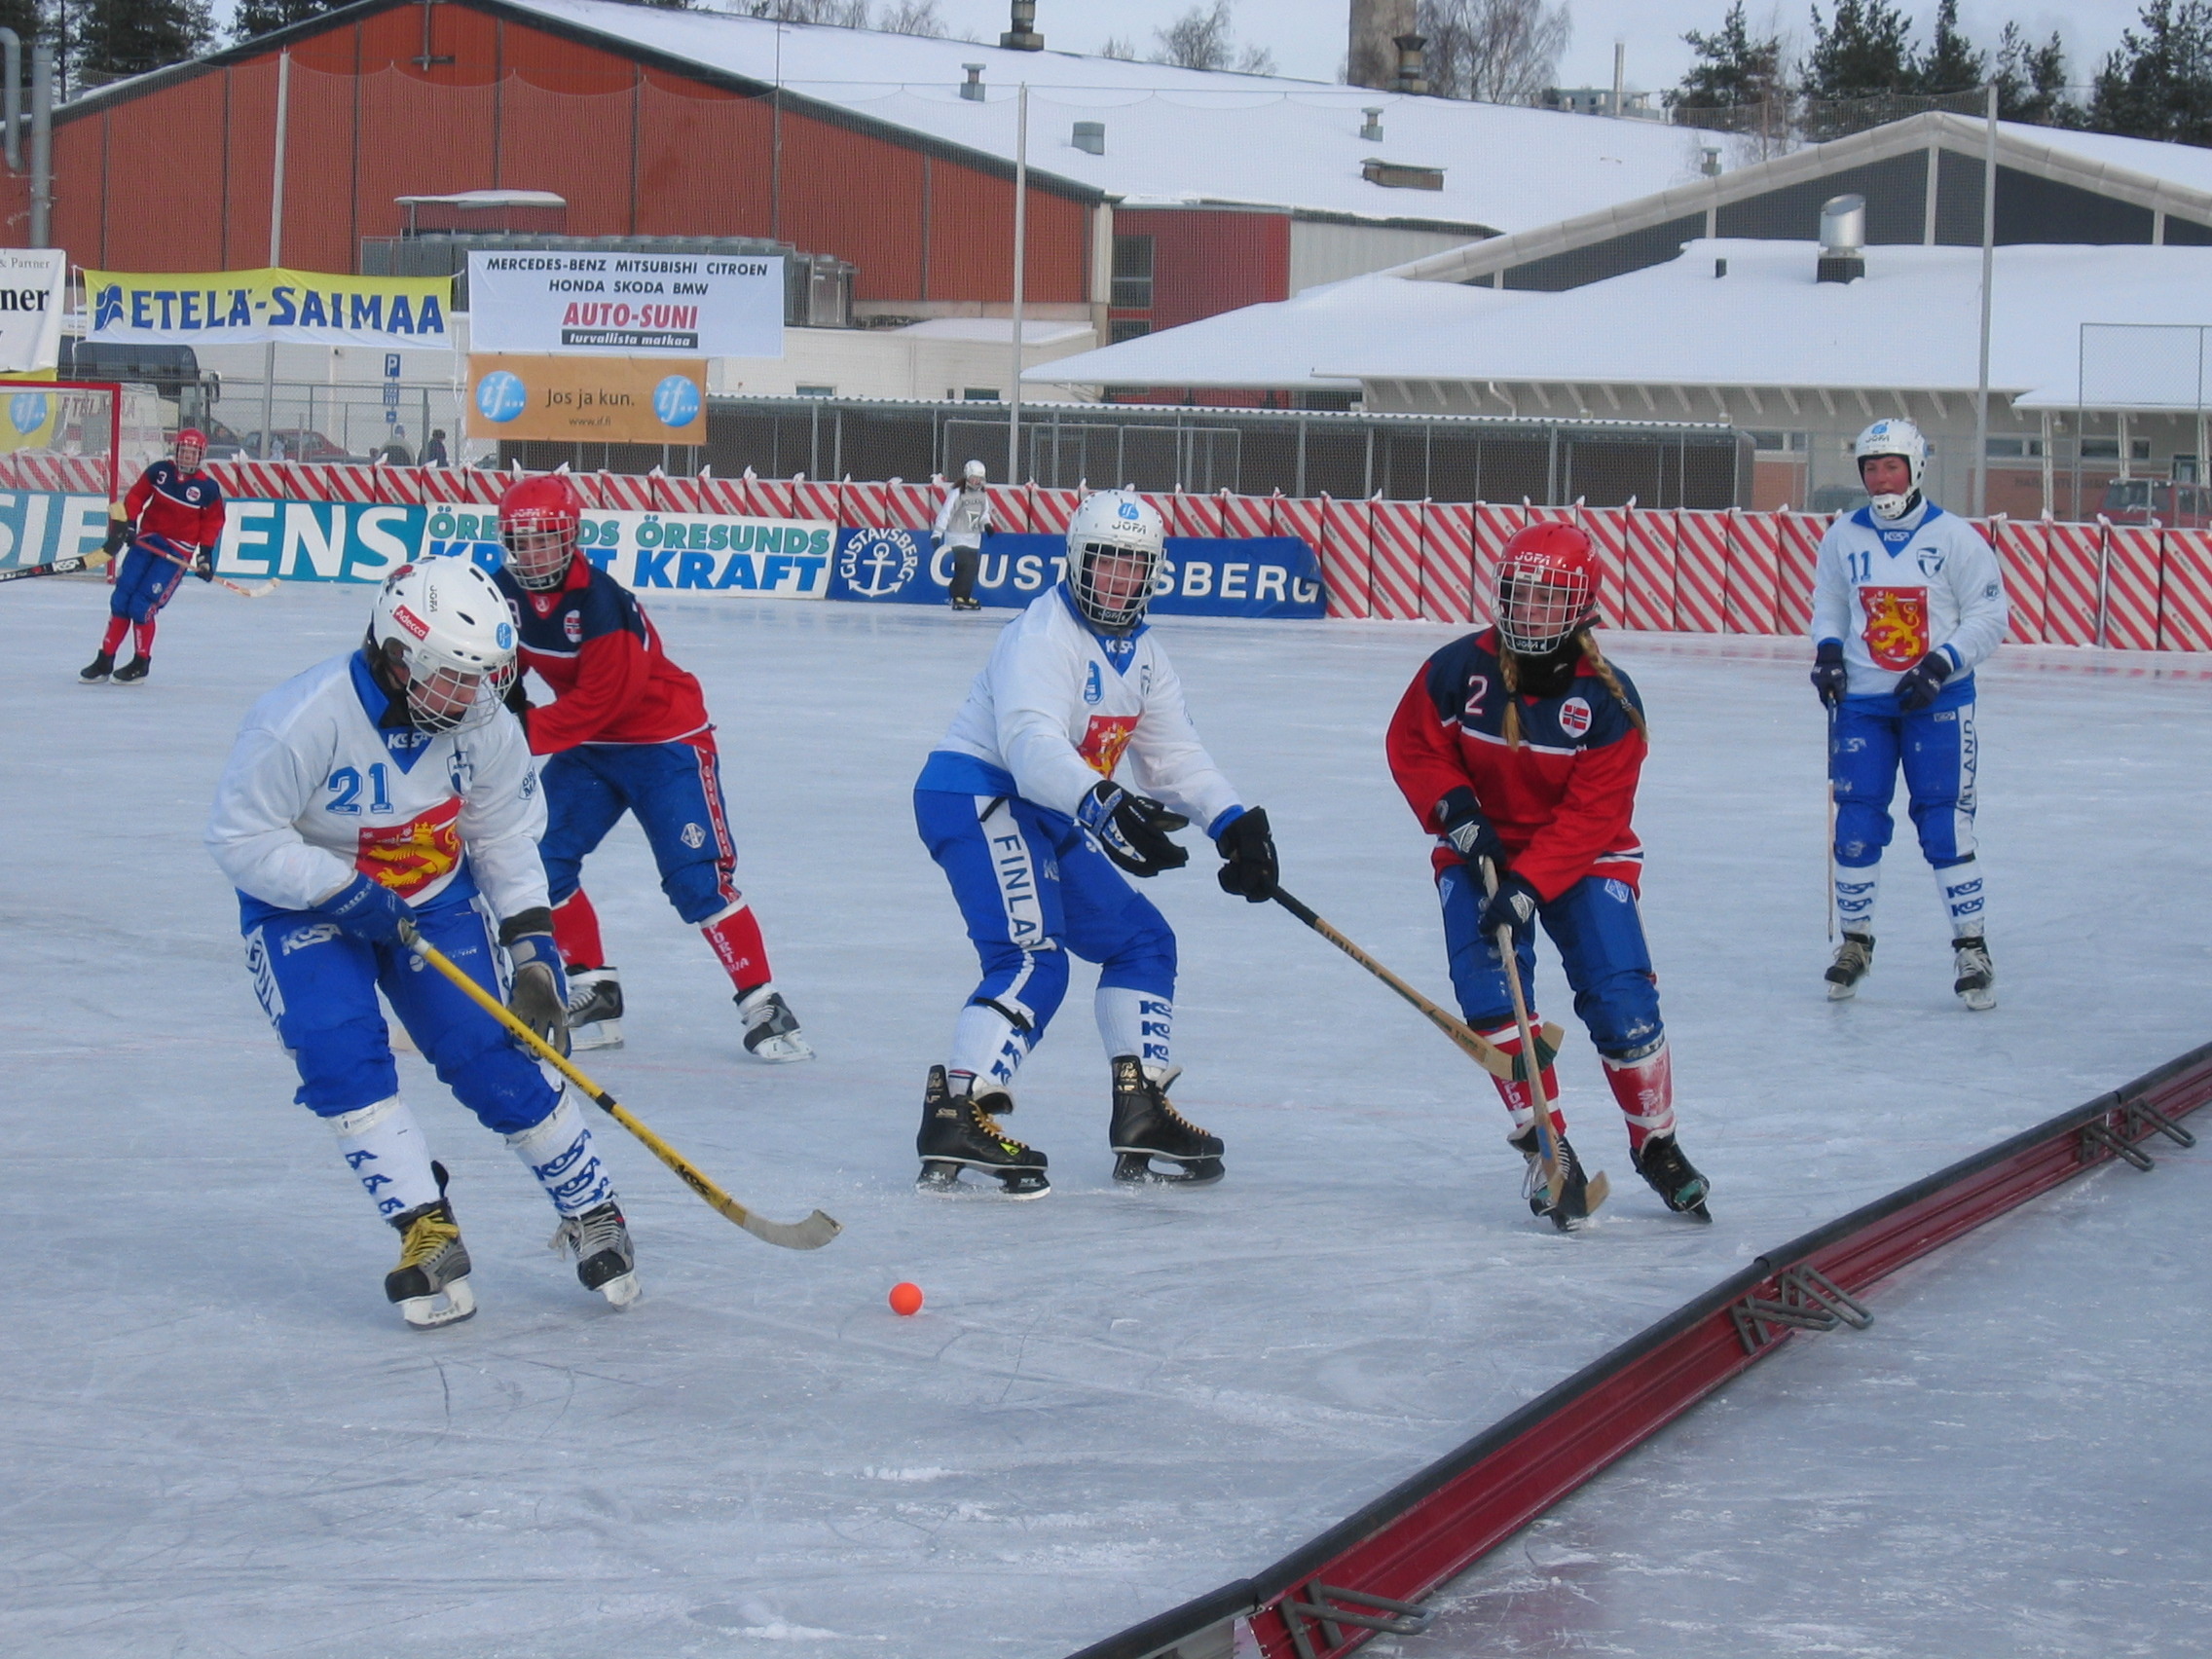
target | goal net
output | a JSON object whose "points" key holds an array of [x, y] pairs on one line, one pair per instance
{"points": [[67, 449]]}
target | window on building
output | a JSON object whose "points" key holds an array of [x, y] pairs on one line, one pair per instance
{"points": [[1780, 441], [1121, 328], [979, 394], [1132, 274], [815, 391], [2108, 449], [2017, 449]]}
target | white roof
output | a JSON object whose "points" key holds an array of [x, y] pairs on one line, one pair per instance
{"points": [[1184, 135], [487, 198], [993, 330], [1911, 323], [2189, 165], [1280, 345]]}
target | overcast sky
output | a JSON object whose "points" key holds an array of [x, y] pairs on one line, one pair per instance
{"points": [[1308, 36]]}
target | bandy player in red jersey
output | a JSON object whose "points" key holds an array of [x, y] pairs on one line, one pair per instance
{"points": [[1520, 745], [627, 731], [174, 516]]}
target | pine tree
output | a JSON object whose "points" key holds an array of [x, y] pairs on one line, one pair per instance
{"points": [[1864, 49], [2031, 81], [1732, 67], [266, 16], [1950, 64], [2159, 82], [119, 38]]}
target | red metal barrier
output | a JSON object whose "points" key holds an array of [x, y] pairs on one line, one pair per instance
{"points": [[1447, 562], [2185, 598], [2023, 553], [1052, 511], [866, 506], [1246, 515], [1395, 532], [1754, 552], [1607, 530], [1796, 559], [1700, 572], [2131, 587], [1496, 524], [820, 498], [1348, 558], [1651, 536], [2072, 585], [731, 496]]}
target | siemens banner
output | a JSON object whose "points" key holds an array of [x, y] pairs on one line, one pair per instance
{"points": [[38, 526], [1271, 575]]}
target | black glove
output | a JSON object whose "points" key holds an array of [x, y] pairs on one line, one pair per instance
{"points": [[1513, 905], [203, 565], [1921, 682], [1132, 830], [1248, 850], [540, 994], [517, 700], [119, 535], [1472, 836], [989, 530], [368, 910], [1831, 677]]}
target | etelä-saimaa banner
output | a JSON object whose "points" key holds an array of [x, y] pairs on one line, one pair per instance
{"points": [[294, 308]]}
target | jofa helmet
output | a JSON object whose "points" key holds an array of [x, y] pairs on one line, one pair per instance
{"points": [[539, 521], [1547, 587], [1893, 437], [1113, 546]]}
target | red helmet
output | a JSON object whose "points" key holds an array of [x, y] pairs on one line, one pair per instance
{"points": [[1547, 587], [193, 438], [540, 519]]}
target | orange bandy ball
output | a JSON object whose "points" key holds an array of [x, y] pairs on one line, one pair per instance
{"points": [[905, 1299]]}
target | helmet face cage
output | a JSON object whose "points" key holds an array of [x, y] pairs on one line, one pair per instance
{"points": [[1897, 437], [444, 696], [1113, 612], [448, 628], [539, 545], [1540, 602]]}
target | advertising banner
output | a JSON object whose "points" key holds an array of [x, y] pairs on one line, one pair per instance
{"points": [[294, 308], [38, 526], [30, 308], [618, 400], [1262, 576], [663, 305]]}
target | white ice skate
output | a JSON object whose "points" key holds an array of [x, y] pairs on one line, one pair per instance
{"points": [[771, 1029], [1976, 981], [430, 1284], [1854, 960], [594, 1008], [605, 1261]]}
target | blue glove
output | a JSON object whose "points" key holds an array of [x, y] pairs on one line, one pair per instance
{"points": [[1830, 678], [1922, 682], [1513, 905], [540, 994], [1472, 836], [368, 910]]}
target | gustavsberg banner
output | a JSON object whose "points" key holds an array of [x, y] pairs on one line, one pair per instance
{"points": [[1272, 575], [655, 305]]}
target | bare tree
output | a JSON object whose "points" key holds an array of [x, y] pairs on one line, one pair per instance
{"points": [[1493, 51], [838, 14], [1204, 38], [1116, 47], [912, 17]]}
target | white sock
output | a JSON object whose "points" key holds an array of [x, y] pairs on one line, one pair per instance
{"points": [[559, 1151], [387, 1156], [1960, 888], [1856, 890], [1136, 1023], [987, 1044]]}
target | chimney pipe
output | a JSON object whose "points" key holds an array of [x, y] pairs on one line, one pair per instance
{"points": [[974, 90], [1089, 137], [1410, 76], [1843, 238], [1023, 36], [1371, 57], [1620, 77], [1371, 132]]}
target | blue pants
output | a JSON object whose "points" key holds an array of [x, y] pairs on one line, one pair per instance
{"points": [[1032, 887], [1600, 935], [676, 790], [147, 581], [1938, 746], [318, 988]]}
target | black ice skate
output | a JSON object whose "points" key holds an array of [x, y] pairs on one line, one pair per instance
{"points": [[430, 1284], [1854, 961], [1574, 1199], [594, 1008], [600, 1240], [133, 671], [1147, 1127], [95, 672], [771, 1029], [967, 605], [959, 1132], [1674, 1177], [1976, 981]]}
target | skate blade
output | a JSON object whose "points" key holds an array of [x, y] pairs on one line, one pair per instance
{"points": [[1134, 1169], [780, 1050], [448, 1307], [941, 1179], [1841, 993], [622, 1291], [599, 1034], [1980, 1002], [1595, 1192]]}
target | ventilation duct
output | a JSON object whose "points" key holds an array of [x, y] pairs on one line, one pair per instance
{"points": [[1843, 240]]}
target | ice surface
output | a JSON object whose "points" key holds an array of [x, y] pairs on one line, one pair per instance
{"points": [[220, 1441], [2010, 1464]]}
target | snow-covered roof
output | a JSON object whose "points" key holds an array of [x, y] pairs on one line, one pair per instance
{"points": [[993, 330], [1179, 136], [1911, 323], [2189, 165], [1279, 344]]}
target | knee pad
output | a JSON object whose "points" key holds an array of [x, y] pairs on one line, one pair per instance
{"points": [[1861, 834], [1622, 1014], [1026, 987], [701, 890], [344, 1068]]}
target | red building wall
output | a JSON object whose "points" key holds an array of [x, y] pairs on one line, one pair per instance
{"points": [[1206, 260], [179, 178]]}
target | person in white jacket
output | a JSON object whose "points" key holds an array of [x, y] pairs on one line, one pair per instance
{"points": [[386, 792], [962, 521], [1020, 807], [1907, 601]]}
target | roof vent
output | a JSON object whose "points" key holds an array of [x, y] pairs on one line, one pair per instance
{"points": [[1400, 175], [1412, 77], [1089, 137], [1371, 132], [1023, 36], [975, 87], [1710, 164], [1843, 238]]}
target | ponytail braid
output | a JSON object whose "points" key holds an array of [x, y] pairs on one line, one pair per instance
{"points": [[1509, 669], [1604, 669]]}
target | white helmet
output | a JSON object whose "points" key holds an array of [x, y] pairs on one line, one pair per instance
{"points": [[445, 627], [1893, 437], [972, 473], [1114, 525]]}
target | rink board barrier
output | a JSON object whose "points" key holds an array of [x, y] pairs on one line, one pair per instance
{"points": [[2127, 587], [40, 526], [1262, 576], [1431, 1528]]}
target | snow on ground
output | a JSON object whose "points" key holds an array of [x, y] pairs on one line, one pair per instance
{"points": [[221, 1442]]}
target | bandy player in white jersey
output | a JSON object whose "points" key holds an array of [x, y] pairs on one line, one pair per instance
{"points": [[389, 786], [1019, 807], [1907, 601]]}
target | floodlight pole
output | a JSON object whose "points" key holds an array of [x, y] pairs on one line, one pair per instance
{"points": [[276, 247], [1988, 267], [1020, 271]]}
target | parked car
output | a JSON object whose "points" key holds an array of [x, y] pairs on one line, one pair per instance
{"points": [[299, 443], [2139, 500]]}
